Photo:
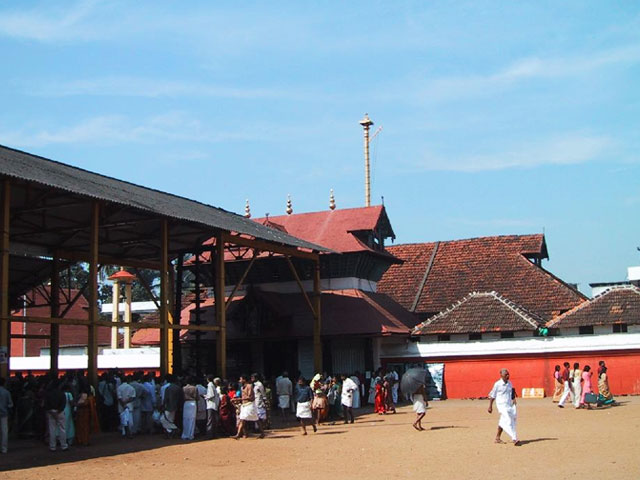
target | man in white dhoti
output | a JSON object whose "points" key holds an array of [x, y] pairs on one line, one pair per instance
{"points": [[126, 397], [284, 389], [395, 385], [248, 411], [189, 409], [349, 388], [505, 397], [261, 402]]}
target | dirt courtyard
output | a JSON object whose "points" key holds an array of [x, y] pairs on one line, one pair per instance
{"points": [[458, 444]]}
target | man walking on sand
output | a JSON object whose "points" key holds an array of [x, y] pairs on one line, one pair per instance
{"points": [[505, 397], [566, 377]]}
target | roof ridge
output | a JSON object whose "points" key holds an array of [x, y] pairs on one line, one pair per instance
{"points": [[553, 277], [590, 301], [522, 312], [471, 238]]}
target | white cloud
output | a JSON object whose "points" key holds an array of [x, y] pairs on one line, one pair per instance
{"points": [[467, 86], [49, 25], [110, 129], [569, 149]]}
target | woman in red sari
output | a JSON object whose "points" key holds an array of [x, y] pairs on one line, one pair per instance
{"points": [[378, 405], [227, 413]]}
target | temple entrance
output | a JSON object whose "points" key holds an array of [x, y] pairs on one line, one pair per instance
{"points": [[280, 356]]}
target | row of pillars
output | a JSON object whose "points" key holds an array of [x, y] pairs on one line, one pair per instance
{"points": [[169, 333]]}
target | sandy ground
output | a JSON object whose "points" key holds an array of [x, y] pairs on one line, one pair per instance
{"points": [[458, 444]]}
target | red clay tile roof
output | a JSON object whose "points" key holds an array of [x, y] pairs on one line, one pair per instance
{"points": [[477, 264], [479, 313], [620, 304], [333, 229], [151, 336]]}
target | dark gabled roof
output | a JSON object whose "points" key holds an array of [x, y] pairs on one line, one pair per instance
{"points": [[480, 312], [32, 168], [435, 275], [344, 312], [619, 304]]}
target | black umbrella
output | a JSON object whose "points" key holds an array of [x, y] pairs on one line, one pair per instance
{"points": [[412, 380]]}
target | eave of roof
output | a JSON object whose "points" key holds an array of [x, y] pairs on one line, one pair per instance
{"points": [[33, 168]]}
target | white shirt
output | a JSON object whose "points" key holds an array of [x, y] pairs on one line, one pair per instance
{"points": [[348, 387], [502, 393], [283, 386], [259, 393], [127, 394], [212, 397]]}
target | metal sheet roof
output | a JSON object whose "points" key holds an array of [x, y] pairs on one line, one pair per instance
{"points": [[32, 168]]}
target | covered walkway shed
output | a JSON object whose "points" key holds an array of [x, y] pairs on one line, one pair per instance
{"points": [[53, 213]]}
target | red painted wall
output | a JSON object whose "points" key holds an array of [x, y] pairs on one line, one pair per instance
{"points": [[473, 377]]}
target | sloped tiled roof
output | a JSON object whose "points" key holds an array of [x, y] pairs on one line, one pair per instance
{"points": [[333, 229], [479, 312], [478, 264], [619, 304]]}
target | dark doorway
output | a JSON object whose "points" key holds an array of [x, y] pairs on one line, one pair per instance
{"points": [[280, 356]]}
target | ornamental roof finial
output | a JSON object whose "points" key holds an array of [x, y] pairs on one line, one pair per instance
{"points": [[332, 201], [247, 210], [289, 207]]}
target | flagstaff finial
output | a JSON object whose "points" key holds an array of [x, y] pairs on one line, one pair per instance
{"points": [[247, 210], [366, 125], [289, 206], [332, 201]]}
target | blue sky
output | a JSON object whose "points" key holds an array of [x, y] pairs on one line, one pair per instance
{"points": [[498, 117]]}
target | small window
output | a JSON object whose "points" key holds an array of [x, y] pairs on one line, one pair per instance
{"points": [[444, 338], [475, 336], [586, 330], [506, 334], [620, 328]]}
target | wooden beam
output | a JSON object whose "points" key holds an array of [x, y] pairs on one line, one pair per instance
{"points": [[79, 256], [196, 328], [164, 299], [92, 341], [266, 246], [299, 282], [147, 287], [221, 312], [50, 320], [177, 311], [54, 342], [241, 281], [170, 309], [30, 337], [5, 326], [317, 319]]}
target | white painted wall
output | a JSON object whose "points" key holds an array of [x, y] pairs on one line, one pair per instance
{"points": [[397, 348]]}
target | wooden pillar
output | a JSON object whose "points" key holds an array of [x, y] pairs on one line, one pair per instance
{"points": [[4, 279], [317, 319], [54, 337], [221, 311], [92, 343], [164, 300], [177, 311], [115, 313]]}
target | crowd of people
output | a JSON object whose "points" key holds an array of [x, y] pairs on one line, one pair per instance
{"points": [[66, 411], [576, 385]]}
